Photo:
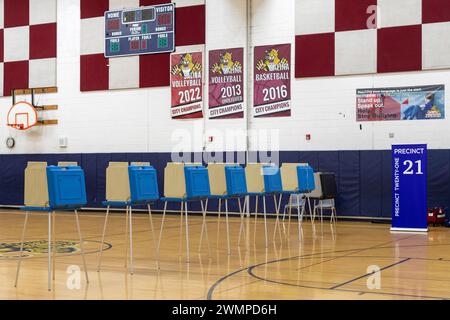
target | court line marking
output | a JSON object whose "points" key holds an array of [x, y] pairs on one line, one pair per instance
{"points": [[369, 274], [346, 290], [356, 251], [251, 273], [351, 251]]}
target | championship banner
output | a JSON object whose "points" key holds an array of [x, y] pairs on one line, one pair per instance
{"points": [[272, 81], [226, 83], [404, 103], [186, 85]]}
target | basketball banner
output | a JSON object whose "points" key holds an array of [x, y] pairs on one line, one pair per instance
{"points": [[186, 75], [272, 81], [226, 83], [404, 103]]}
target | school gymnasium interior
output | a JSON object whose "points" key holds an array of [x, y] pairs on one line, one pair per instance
{"points": [[224, 150]]}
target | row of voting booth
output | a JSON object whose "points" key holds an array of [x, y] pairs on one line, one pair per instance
{"points": [[62, 188]]}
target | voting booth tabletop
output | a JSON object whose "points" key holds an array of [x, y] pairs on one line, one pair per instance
{"points": [[347, 260]]}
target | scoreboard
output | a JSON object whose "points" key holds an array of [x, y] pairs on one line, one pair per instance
{"points": [[144, 30]]}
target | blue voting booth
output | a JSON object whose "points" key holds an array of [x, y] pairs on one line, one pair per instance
{"points": [[143, 184], [272, 180], [273, 186], [305, 176], [197, 182], [236, 182], [300, 182], [66, 191], [66, 188]]}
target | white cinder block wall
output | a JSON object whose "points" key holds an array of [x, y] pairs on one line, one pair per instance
{"points": [[139, 120]]}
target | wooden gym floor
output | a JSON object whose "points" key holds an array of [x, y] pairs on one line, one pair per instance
{"points": [[329, 263]]}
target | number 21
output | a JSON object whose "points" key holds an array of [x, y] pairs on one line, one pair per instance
{"points": [[409, 164]]}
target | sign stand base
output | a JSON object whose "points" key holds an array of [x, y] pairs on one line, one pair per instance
{"points": [[416, 230]]}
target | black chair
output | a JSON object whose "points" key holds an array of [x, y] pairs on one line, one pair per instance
{"points": [[327, 196]]}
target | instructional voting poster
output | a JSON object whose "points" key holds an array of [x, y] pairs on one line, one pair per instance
{"points": [[226, 83], [186, 85], [404, 103], [272, 81]]}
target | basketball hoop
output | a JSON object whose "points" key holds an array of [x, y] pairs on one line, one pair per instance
{"points": [[22, 116]]}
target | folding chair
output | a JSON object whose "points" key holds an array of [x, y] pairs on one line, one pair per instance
{"points": [[325, 197]]}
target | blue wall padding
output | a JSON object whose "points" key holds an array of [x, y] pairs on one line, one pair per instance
{"points": [[102, 163], [386, 183], [309, 157], [348, 179], [438, 177], [328, 161], [89, 165], [363, 177], [370, 188]]}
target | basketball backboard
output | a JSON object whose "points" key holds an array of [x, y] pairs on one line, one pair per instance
{"points": [[22, 116]]}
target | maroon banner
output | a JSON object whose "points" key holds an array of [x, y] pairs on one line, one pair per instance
{"points": [[226, 83], [186, 85], [272, 81]]}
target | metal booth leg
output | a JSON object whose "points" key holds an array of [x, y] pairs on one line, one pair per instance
{"points": [[256, 208], [160, 234], [19, 262], [228, 226], [187, 233], [265, 221], [131, 240], [204, 227], [277, 220], [241, 228], [126, 237], [50, 251], [54, 245], [102, 243], [152, 227], [300, 220], [151, 224], [81, 246]]}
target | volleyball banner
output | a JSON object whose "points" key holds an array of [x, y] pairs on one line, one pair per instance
{"points": [[226, 84], [405, 103], [186, 74], [272, 81]]}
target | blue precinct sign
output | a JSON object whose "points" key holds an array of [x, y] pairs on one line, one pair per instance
{"points": [[139, 31], [409, 187]]}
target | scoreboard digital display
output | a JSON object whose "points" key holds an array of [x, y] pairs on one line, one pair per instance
{"points": [[144, 30]]}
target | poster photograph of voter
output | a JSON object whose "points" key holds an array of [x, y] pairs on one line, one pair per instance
{"points": [[429, 107], [406, 103]]}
